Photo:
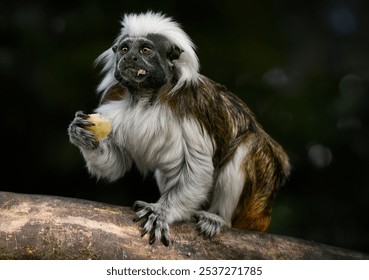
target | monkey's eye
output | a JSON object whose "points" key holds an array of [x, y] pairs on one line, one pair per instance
{"points": [[124, 50], [145, 51]]}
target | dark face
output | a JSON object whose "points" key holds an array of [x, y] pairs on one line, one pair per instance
{"points": [[145, 62]]}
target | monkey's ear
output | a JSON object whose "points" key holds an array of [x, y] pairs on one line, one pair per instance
{"points": [[114, 48], [174, 52]]}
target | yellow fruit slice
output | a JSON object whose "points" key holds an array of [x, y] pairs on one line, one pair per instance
{"points": [[102, 126]]}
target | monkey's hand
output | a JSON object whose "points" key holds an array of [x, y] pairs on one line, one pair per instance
{"points": [[79, 135], [155, 221]]}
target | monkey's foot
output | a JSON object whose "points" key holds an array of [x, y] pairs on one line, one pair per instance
{"points": [[155, 222], [208, 224]]}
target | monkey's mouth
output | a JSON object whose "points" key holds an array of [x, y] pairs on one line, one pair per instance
{"points": [[131, 74], [136, 72], [141, 72]]}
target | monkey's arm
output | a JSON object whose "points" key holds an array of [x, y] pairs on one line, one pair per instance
{"points": [[107, 161], [103, 158], [184, 185]]}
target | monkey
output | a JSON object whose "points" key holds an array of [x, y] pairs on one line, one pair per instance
{"points": [[213, 162]]}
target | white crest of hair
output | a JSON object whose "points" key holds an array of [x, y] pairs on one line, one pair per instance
{"points": [[140, 25]]}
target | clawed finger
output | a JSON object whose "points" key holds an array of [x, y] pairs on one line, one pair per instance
{"points": [[138, 205], [82, 122], [80, 114]]}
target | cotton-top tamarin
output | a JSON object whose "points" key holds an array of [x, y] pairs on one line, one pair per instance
{"points": [[211, 159]]}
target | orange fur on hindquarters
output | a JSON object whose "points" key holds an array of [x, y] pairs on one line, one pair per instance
{"points": [[265, 174], [253, 212], [247, 220]]}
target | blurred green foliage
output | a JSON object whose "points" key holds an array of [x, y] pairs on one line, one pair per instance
{"points": [[303, 68]]}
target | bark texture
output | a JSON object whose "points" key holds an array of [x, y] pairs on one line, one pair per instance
{"points": [[47, 227]]}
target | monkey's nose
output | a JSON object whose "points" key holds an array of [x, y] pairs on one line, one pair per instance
{"points": [[130, 58]]}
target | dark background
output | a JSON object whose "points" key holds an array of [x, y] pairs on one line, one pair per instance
{"points": [[302, 66]]}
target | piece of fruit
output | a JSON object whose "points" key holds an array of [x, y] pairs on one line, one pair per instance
{"points": [[102, 126]]}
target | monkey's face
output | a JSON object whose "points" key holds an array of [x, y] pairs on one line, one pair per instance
{"points": [[144, 62]]}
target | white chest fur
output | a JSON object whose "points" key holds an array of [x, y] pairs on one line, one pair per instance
{"points": [[151, 134]]}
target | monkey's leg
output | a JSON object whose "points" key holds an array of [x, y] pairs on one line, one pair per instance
{"points": [[227, 190]]}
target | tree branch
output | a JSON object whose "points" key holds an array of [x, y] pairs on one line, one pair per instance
{"points": [[47, 227]]}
